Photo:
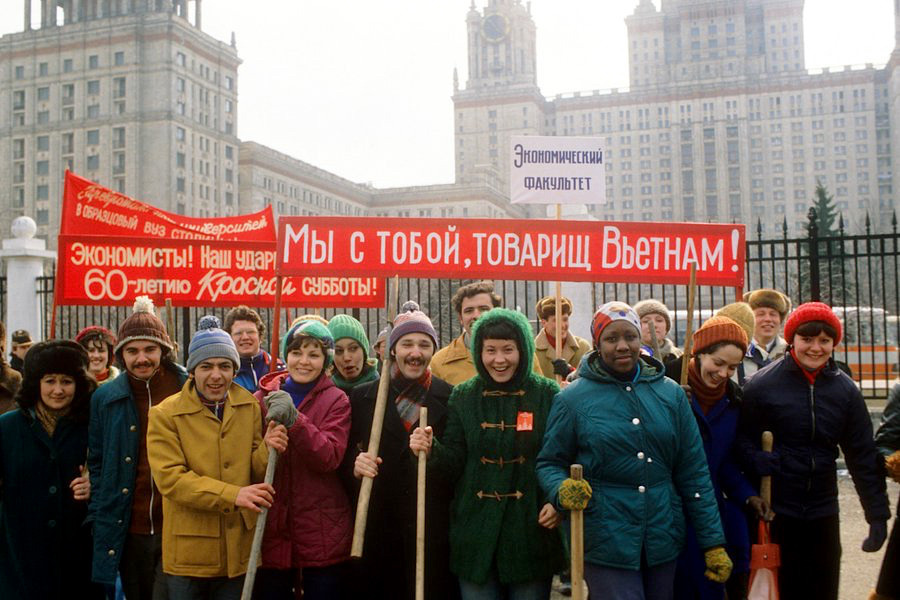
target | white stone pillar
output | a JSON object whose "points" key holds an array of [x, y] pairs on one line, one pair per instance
{"points": [[25, 258], [579, 293], [27, 15]]}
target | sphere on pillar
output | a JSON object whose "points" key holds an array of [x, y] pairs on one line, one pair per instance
{"points": [[24, 228]]}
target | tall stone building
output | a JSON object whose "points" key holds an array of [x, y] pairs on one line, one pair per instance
{"points": [[130, 93], [722, 121]]}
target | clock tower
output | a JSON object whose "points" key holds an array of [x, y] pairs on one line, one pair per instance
{"points": [[501, 96]]}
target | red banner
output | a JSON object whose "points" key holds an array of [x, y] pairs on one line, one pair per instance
{"points": [[546, 250], [110, 271], [89, 207]]}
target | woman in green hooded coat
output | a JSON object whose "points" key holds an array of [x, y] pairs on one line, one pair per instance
{"points": [[502, 537]]}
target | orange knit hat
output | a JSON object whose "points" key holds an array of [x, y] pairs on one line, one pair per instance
{"points": [[719, 329]]}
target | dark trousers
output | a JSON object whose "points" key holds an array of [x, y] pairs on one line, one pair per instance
{"points": [[204, 588], [810, 557], [889, 577], [325, 583], [141, 568]]}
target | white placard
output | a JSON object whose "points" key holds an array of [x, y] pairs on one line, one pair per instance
{"points": [[556, 170]]}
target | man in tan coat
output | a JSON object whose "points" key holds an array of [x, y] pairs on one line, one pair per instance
{"points": [[206, 448], [573, 347], [453, 363]]}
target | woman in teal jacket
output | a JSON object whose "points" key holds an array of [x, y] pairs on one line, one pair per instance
{"points": [[633, 431], [503, 542]]}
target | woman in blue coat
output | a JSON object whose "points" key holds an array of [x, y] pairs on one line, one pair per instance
{"points": [[633, 431], [718, 348], [45, 546]]}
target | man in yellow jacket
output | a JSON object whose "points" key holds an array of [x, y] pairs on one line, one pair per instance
{"points": [[205, 447]]}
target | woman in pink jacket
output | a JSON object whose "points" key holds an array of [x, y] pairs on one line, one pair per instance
{"points": [[309, 527]]}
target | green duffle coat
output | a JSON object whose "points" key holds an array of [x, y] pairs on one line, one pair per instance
{"points": [[494, 519]]}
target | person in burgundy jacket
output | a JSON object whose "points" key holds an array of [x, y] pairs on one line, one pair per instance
{"points": [[309, 527]]}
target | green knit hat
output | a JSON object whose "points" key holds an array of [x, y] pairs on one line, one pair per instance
{"points": [[345, 326], [311, 329]]}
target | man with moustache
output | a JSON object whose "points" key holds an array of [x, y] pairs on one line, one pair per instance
{"points": [[387, 569], [125, 506]]}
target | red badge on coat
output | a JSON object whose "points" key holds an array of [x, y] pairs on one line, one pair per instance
{"points": [[525, 421]]}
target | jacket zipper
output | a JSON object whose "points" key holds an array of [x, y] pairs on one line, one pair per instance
{"points": [[812, 437], [149, 406]]}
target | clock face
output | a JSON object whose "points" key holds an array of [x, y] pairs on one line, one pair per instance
{"points": [[494, 27]]}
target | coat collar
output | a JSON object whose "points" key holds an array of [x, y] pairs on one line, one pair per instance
{"points": [[119, 388], [542, 343], [457, 350], [189, 400]]}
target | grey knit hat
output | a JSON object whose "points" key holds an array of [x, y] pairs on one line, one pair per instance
{"points": [[211, 341], [646, 307]]}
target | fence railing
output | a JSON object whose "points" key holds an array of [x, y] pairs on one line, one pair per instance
{"points": [[859, 275]]}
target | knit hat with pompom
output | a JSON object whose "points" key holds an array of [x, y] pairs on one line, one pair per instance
{"points": [[143, 324], [211, 341], [411, 319]]}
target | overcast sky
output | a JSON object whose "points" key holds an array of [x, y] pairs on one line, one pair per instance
{"points": [[362, 88]]}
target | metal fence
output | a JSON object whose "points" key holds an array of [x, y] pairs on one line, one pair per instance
{"points": [[859, 275]]}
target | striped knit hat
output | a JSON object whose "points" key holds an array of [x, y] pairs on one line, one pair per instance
{"points": [[211, 341], [311, 328], [609, 312], [144, 325]]}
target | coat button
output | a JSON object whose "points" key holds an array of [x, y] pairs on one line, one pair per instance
{"points": [[225, 466], [640, 455], [119, 522], [696, 494], [51, 523], [636, 421], [642, 489], [128, 459], [223, 435], [227, 510], [132, 428], [52, 489], [125, 490], [627, 388], [111, 553], [649, 460]]}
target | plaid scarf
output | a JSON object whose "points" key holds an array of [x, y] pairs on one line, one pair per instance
{"points": [[410, 395]]}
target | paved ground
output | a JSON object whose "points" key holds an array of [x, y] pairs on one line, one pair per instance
{"points": [[859, 570]]}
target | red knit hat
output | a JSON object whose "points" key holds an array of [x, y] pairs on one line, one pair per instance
{"points": [[812, 311], [719, 329]]}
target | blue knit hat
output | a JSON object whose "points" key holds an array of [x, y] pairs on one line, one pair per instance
{"points": [[211, 341], [312, 329]]}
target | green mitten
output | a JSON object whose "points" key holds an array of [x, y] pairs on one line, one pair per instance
{"points": [[718, 565], [574, 494]]}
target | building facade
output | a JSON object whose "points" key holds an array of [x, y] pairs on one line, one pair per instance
{"points": [[722, 122], [128, 93]]}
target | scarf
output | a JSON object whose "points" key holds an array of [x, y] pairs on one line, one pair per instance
{"points": [[706, 396], [49, 417], [103, 376], [216, 408], [410, 395], [368, 374], [629, 377], [298, 391], [809, 375]]}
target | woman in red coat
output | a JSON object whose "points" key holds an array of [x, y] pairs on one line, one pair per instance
{"points": [[309, 527]]}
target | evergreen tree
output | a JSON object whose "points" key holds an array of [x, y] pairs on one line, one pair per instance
{"points": [[835, 282]]}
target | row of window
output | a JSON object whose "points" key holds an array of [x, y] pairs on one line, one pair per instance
{"points": [[68, 66]]}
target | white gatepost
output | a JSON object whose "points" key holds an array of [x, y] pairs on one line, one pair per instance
{"points": [[579, 293], [25, 258]]}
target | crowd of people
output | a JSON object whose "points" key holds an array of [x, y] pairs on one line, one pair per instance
{"points": [[124, 473]]}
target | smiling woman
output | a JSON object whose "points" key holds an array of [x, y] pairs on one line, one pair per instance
{"points": [[814, 410], [43, 447], [645, 472]]}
